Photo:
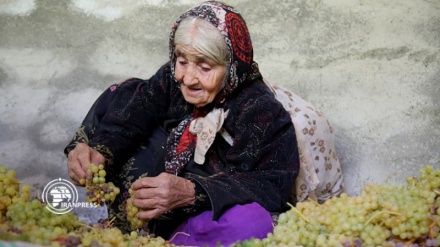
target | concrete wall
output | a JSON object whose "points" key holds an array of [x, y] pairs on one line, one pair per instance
{"points": [[372, 67]]}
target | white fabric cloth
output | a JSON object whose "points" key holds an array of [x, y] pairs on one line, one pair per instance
{"points": [[320, 176], [206, 129]]}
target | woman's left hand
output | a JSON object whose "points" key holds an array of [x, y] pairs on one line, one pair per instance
{"points": [[157, 195]]}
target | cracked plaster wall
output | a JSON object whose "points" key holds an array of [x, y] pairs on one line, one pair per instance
{"points": [[372, 67]]}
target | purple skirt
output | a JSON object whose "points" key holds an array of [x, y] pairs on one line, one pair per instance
{"points": [[241, 222]]}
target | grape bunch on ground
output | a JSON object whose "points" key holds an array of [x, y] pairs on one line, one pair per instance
{"points": [[385, 215], [380, 216]]}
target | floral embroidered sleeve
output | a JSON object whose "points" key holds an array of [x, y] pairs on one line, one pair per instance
{"points": [[124, 115], [202, 202], [132, 115]]}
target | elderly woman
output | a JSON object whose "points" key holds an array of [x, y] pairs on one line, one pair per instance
{"points": [[205, 145]]}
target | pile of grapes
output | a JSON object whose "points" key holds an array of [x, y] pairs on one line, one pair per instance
{"points": [[23, 218], [382, 215]]}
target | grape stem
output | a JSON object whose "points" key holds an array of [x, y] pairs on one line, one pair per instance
{"points": [[177, 233], [377, 214], [111, 221], [432, 231], [83, 224], [299, 213], [411, 241], [315, 202]]}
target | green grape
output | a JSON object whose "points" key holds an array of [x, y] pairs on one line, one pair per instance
{"points": [[102, 173], [381, 215], [94, 168], [135, 222], [10, 189], [28, 220], [97, 190]]}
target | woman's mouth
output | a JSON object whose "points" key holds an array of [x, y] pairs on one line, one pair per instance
{"points": [[191, 90]]}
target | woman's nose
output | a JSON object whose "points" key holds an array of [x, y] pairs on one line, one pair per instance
{"points": [[190, 75]]}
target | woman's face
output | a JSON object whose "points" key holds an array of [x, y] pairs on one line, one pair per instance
{"points": [[201, 79]]}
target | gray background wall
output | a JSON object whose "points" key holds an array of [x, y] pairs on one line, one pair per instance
{"points": [[371, 66]]}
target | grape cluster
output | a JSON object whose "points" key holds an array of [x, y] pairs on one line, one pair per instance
{"points": [[37, 223], [135, 222], [10, 190], [97, 189], [27, 219], [381, 215], [95, 236]]}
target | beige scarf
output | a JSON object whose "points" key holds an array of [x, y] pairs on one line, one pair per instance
{"points": [[320, 176]]}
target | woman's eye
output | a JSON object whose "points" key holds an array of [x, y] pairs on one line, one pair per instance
{"points": [[206, 69], [182, 61]]}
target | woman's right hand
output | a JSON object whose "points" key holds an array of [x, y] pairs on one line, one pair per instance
{"points": [[79, 160]]}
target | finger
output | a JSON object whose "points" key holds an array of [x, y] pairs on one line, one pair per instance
{"points": [[147, 182], [148, 193], [96, 157], [149, 214], [79, 171], [77, 183], [146, 204], [74, 167], [83, 158], [73, 177]]}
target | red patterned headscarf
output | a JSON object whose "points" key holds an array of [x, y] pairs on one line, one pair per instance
{"points": [[233, 28], [242, 70]]}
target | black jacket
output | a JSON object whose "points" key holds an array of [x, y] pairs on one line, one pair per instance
{"points": [[260, 166]]}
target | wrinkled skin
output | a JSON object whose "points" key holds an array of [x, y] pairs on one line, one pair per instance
{"points": [[79, 160], [157, 195], [153, 195]]}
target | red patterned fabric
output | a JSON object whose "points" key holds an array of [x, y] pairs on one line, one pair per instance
{"points": [[185, 141], [239, 37]]}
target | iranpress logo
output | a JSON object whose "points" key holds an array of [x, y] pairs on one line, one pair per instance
{"points": [[61, 196]]}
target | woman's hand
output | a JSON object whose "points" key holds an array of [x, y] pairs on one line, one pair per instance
{"points": [[79, 160], [157, 195]]}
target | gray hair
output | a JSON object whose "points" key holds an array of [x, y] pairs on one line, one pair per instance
{"points": [[204, 37]]}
